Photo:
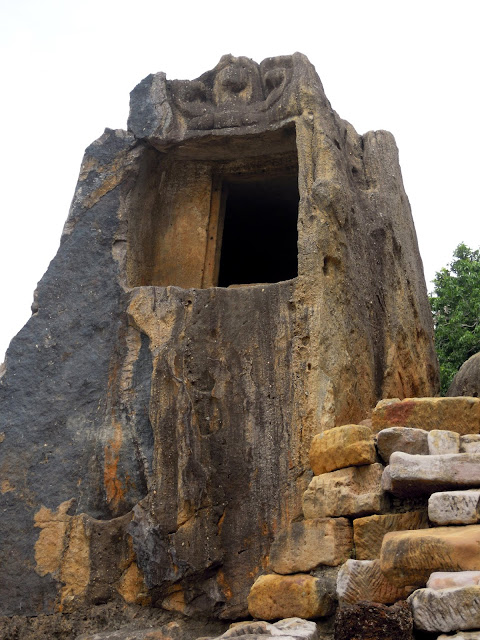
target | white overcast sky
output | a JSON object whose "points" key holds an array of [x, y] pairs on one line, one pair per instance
{"points": [[411, 67]]}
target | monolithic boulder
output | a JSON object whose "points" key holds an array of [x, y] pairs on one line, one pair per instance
{"points": [[408, 475], [354, 491], [404, 439], [363, 581], [453, 609], [374, 621], [304, 545], [449, 579], [410, 557], [441, 442], [346, 446], [273, 597], [467, 380], [148, 385], [461, 415], [368, 532], [454, 507]]}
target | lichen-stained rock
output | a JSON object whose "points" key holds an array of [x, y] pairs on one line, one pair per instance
{"points": [[354, 491], [363, 581], [346, 446], [454, 507], [295, 628], [404, 439], [449, 579], [304, 545], [273, 597], [461, 415], [140, 386], [467, 380], [442, 442], [368, 532], [453, 609], [372, 621], [411, 475], [410, 557], [470, 443], [462, 635]]}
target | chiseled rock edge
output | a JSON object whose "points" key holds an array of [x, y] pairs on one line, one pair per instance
{"points": [[453, 609], [362, 580], [412, 475]]}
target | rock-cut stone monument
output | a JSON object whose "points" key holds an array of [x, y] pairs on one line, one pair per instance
{"points": [[238, 272]]}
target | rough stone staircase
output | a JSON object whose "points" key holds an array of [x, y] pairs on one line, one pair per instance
{"points": [[390, 518]]}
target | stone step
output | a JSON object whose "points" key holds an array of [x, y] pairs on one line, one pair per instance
{"points": [[446, 609], [353, 491], [451, 579], [410, 557], [368, 531], [442, 442], [454, 507], [362, 580], [412, 475], [406, 439], [290, 628], [273, 597], [461, 414], [340, 447], [304, 545], [462, 635]]}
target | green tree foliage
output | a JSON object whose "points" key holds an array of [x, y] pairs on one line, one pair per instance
{"points": [[456, 312]]}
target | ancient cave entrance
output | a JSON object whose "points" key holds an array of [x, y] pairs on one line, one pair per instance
{"points": [[259, 239], [215, 212]]}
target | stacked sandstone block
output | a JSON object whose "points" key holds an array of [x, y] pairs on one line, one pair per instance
{"points": [[373, 535]]}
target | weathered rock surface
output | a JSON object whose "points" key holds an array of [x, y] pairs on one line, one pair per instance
{"points": [[296, 628], [273, 597], [304, 545], [446, 609], [470, 443], [454, 507], [362, 580], [406, 439], [346, 446], [467, 380], [155, 382], [408, 475], [461, 415], [368, 532], [354, 491], [449, 579], [168, 632], [463, 635], [410, 557], [371, 621], [103, 617], [442, 442]]}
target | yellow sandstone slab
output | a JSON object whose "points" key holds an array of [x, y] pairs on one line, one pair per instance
{"points": [[274, 597], [368, 532], [409, 557], [461, 415], [347, 446]]}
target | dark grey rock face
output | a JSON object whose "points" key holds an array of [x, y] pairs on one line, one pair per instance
{"points": [[156, 427]]}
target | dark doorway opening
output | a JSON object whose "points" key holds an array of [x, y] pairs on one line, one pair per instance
{"points": [[259, 242]]}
